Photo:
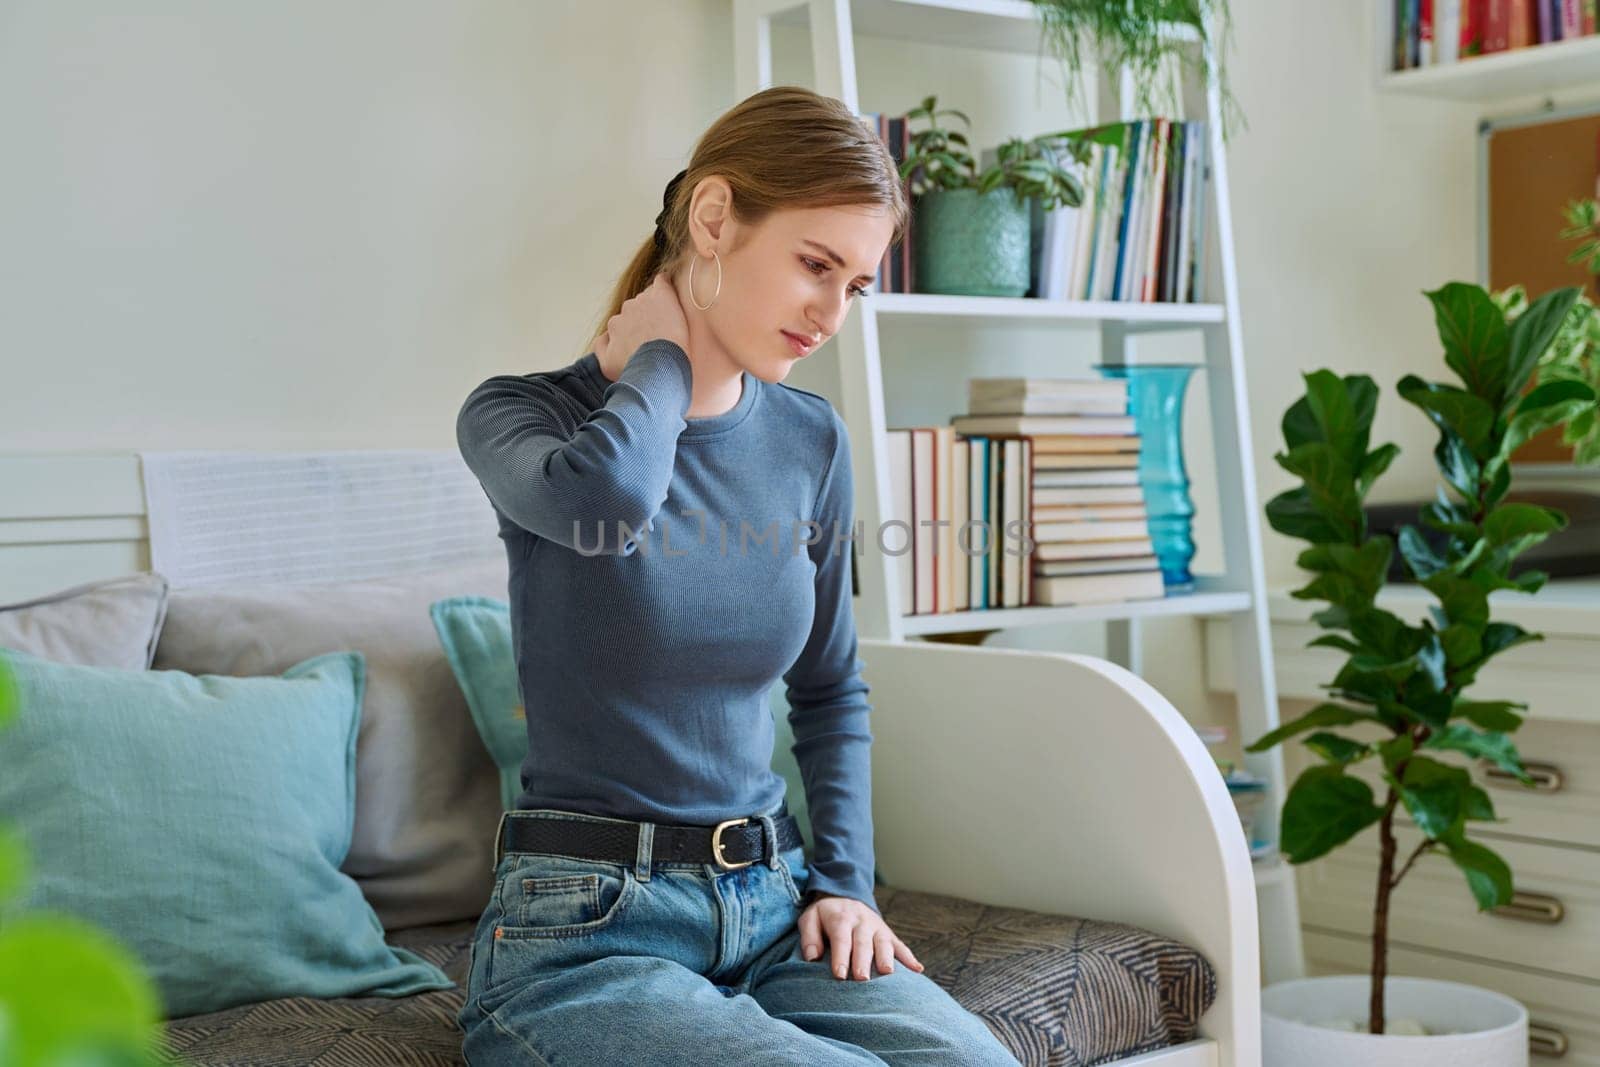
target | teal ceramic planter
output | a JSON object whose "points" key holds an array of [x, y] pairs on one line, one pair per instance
{"points": [[972, 245]]}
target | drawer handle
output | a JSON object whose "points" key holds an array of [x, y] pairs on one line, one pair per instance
{"points": [[1532, 907], [1546, 1041], [1547, 777]]}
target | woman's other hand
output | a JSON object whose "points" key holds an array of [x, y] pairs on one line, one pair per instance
{"points": [[655, 312], [857, 935]]}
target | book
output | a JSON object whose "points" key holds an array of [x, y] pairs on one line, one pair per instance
{"points": [[1109, 565], [1109, 494], [1050, 444], [1053, 479], [979, 541], [1098, 588], [922, 515], [943, 514], [899, 452], [1011, 561], [1053, 551], [960, 458], [1060, 512], [1045, 461], [1060, 404], [1090, 530], [1032, 425]]}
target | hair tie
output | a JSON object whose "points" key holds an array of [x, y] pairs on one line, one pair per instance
{"points": [[666, 206]]}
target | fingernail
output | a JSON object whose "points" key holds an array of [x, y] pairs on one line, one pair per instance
{"points": [[839, 972]]}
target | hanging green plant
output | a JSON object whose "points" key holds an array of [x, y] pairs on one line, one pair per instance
{"points": [[1154, 40]]}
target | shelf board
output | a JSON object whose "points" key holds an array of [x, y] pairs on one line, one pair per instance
{"points": [[1204, 601], [995, 25], [1527, 71], [1134, 313]]}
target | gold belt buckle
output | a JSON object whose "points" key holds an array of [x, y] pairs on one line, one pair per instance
{"points": [[716, 844]]}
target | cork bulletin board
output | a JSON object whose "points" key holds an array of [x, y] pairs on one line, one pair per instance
{"points": [[1533, 166]]}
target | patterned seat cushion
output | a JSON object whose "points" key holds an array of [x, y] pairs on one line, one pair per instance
{"points": [[1058, 991]]}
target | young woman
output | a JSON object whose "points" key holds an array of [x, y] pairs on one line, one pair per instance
{"points": [[679, 529]]}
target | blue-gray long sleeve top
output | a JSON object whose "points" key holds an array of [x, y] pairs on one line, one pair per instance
{"points": [[664, 573]]}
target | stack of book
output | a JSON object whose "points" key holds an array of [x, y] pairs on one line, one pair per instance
{"points": [[1084, 508], [1139, 234]]}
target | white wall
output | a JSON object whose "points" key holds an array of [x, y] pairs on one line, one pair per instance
{"points": [[318, 224]]}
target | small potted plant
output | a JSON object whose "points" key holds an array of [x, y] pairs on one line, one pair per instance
{"points": [[974, 230], [1402, 688]]}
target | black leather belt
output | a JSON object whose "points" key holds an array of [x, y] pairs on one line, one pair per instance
{"points": [[730, 845]]}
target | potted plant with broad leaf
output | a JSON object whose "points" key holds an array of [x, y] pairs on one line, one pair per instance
{"points": [[1402, 688], [974, 229]]}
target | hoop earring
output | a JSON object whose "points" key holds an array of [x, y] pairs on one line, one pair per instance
{"points": [[714, 296]]}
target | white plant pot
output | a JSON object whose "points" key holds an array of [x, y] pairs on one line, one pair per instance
{"points": [[1467, 1026]]}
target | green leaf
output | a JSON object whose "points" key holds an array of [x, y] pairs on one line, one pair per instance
{"points": [[1549, 404], [1337, 749], [1533, 332], [1510, 522], [1493, 746], [1293, 514], [1343, 409], [1476, 341], [1330, 482], [1324, 809], [1478, 805], [1453, 411], [66, 983], [1464, 601], [1339, 641], [1376, 462], [1461, 644], [1419, 555], [1321, 715], [1396, 751], [1487, 874], [1433, 793], [1490, 714]]}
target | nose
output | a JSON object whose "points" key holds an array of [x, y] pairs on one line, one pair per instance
{"points": [[826, 319]]}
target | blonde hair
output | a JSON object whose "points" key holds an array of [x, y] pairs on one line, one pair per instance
{"points": [[784, 147]]}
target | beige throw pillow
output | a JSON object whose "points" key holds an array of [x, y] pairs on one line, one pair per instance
{"points": [[427, 791], [110, 623]]}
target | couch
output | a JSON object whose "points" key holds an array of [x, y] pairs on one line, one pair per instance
{"points": [[1053, 841]]}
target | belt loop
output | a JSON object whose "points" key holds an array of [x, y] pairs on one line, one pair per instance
{"points": [[641, 861], [499, 841], [769, 833]]}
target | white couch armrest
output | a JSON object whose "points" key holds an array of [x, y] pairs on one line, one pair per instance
{"points": [[1064, 784]]}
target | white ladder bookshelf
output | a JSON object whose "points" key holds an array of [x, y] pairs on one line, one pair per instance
{"points": [[1239, 596]]}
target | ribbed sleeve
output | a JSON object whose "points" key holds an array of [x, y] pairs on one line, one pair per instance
{"points": [[559, 480], [828, 707]]}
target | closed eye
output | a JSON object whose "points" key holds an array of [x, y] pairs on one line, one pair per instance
{"points": [[817, 267]]}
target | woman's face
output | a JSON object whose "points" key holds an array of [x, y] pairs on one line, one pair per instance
{"points": [[779, 276]]}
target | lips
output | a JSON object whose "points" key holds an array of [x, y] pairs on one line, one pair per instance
{"points": [[801, 345]]}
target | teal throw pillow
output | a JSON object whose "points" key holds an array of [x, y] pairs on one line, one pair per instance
{"points": [[202, 820], [476, 634]]}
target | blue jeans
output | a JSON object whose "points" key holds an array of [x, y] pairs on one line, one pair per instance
{"points": [[579, 961]]}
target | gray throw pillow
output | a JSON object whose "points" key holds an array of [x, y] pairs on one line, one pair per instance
{"points": [[427, 793], [109, 623]]}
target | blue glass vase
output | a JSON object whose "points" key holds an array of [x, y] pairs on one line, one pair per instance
{"points": [[1155, 400]]}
